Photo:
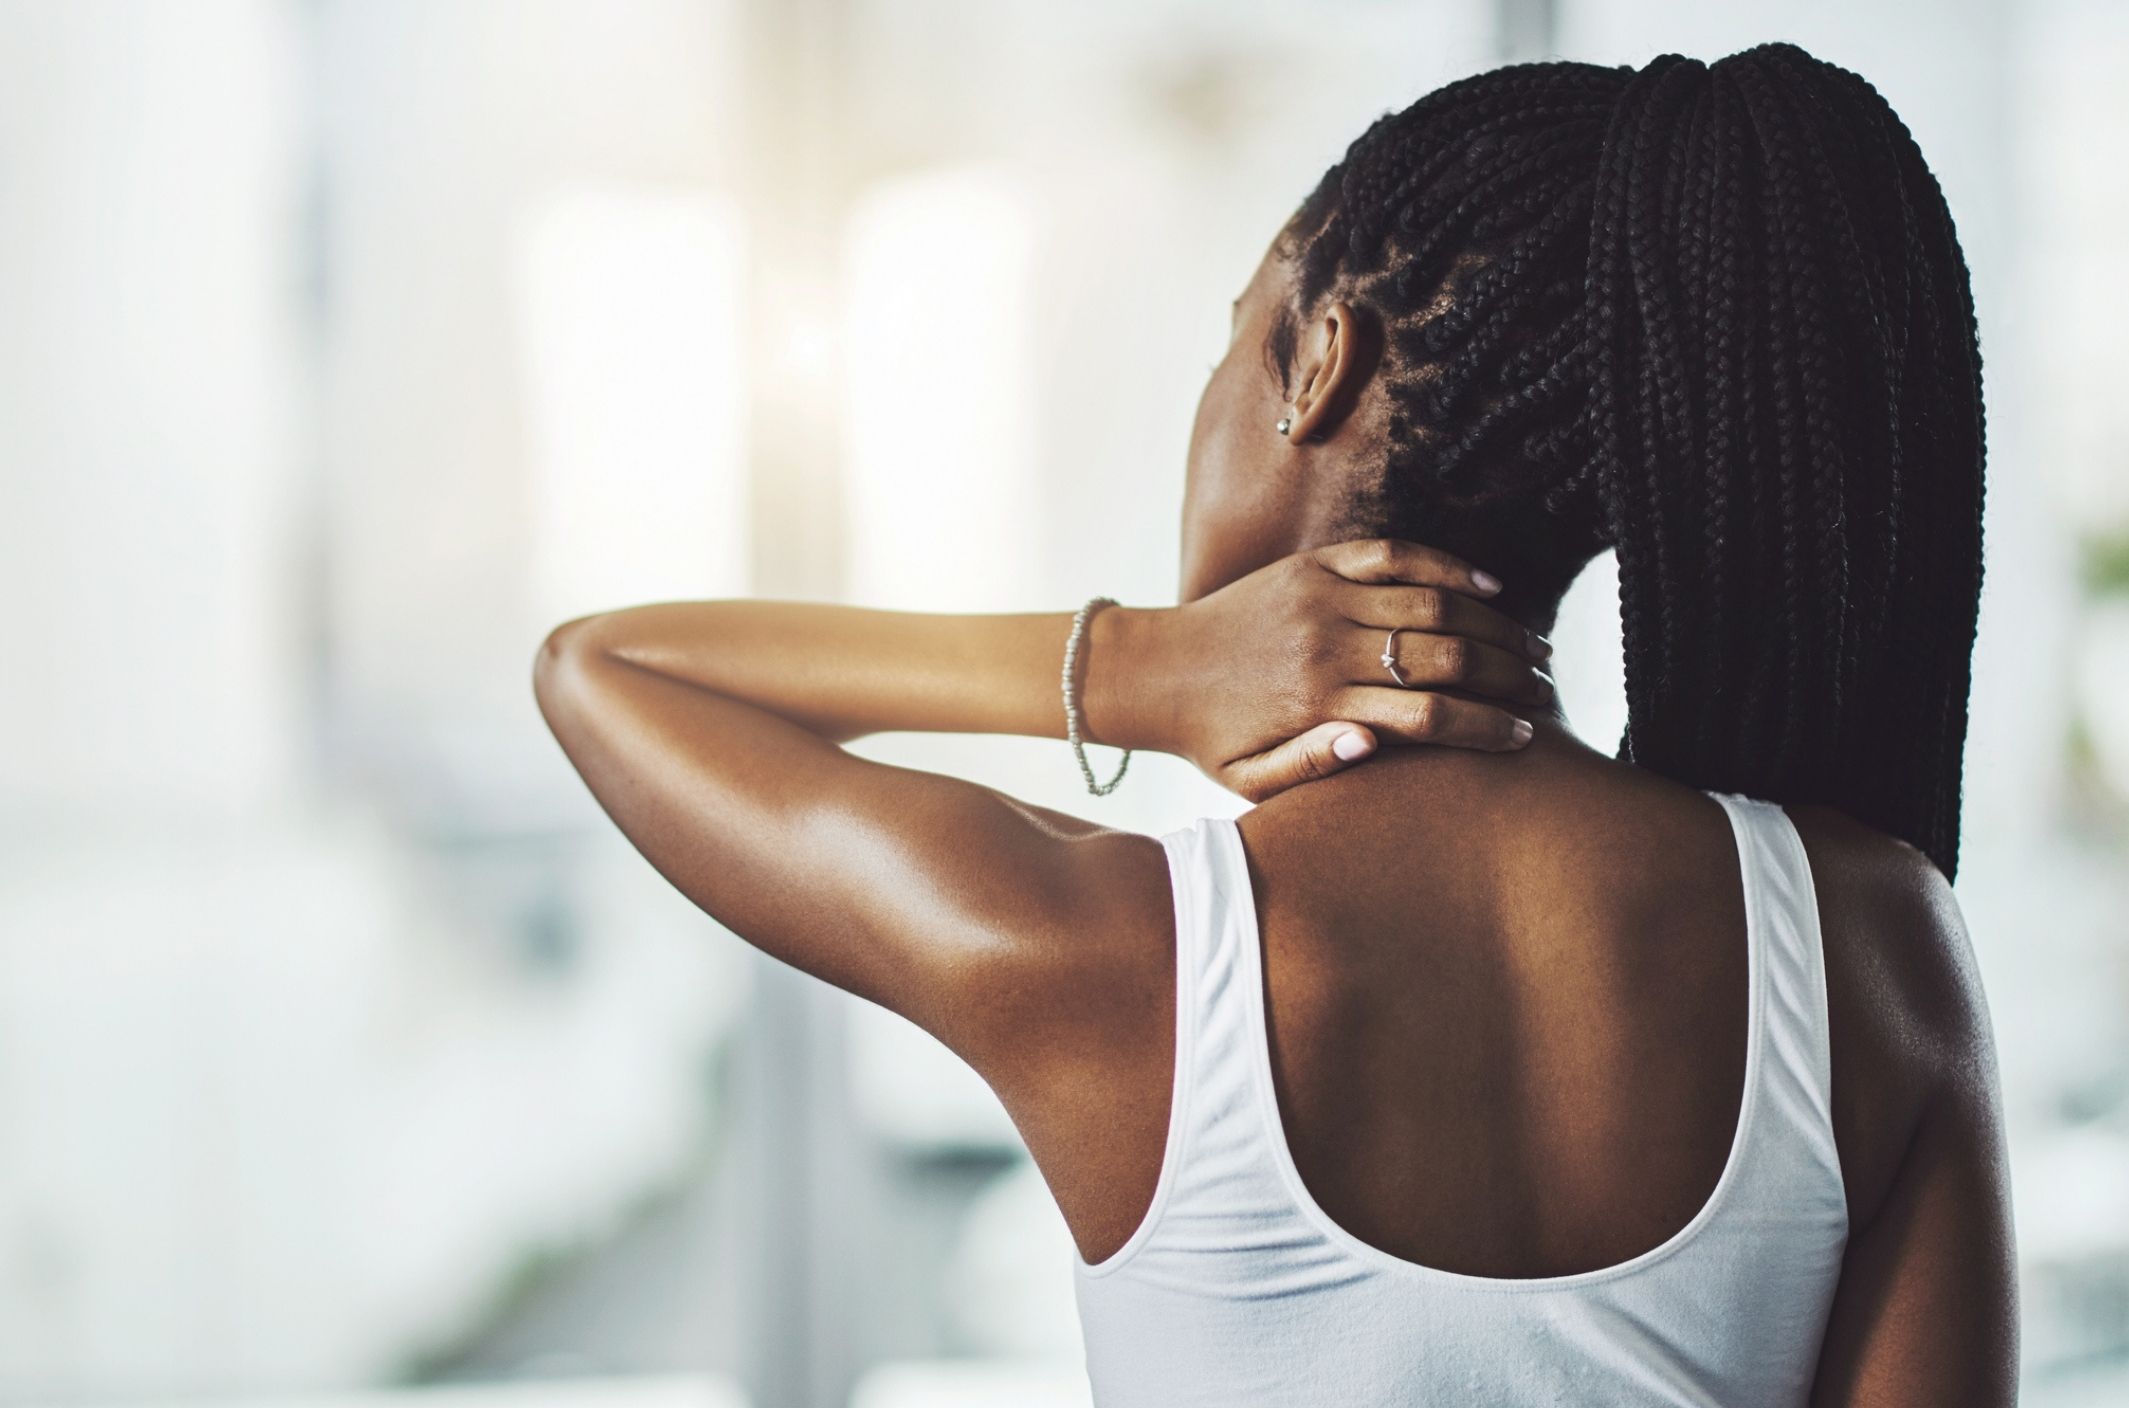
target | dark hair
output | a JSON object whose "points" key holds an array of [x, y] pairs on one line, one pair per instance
{"points": [[1714, 317]]}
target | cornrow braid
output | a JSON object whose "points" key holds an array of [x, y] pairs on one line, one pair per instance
{"points": [[1716, 318]]}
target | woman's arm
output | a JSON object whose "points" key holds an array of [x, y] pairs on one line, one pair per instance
{"points": [[1203, 681], [1926, 1315], [710, 732]]}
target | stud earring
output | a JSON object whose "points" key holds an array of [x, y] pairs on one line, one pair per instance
{"points": [[1286, 423]]}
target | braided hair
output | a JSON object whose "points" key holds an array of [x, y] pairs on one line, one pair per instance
{"points": [[1714, 317]]}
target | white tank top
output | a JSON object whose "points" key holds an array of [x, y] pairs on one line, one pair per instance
{"points": [[1238, 1289]]}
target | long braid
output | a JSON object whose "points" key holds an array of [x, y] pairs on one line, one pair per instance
{"points": [[1716, 318], [1718, 221]]}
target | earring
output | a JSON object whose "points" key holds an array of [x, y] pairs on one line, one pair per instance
{"points": [[1286, 423]]}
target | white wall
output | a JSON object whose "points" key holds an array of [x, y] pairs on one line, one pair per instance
{"points": [[149, 380]]}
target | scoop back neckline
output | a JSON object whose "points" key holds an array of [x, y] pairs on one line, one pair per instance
{"points": [[1376, 1258]]}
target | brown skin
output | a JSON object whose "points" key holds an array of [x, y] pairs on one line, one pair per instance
{"points": [[1483, 963]]}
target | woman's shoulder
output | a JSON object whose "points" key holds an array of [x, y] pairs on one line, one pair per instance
{"points": [[1891, 926], [1908, 1021]]}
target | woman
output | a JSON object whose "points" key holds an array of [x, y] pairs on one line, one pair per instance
{"points": [[1513, 1072]]}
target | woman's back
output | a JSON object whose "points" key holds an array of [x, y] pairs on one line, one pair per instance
{"points": [[1512, 987], [1495, 1079]]}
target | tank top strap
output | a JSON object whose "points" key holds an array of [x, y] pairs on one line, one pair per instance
{"points": [[1216, 964], [1794, 1061], [1219, 1153]]}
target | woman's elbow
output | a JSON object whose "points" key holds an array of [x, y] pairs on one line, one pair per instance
{"points": [[558, 669]]}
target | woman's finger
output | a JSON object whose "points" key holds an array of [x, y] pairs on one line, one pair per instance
{"points": [[1441, 612], [1426, 661], [1323, 750], [1383, 560], [1417, 716]]}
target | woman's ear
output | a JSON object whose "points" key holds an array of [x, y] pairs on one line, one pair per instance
{"points": [[1338, 354]]}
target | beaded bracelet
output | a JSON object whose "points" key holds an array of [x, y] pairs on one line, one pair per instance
{"points": [[1071, 701]]}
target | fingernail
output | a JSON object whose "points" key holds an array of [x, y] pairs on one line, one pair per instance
{"points": [[1485, 581], [1350, 746], [1522, 732], [1539, 646]]}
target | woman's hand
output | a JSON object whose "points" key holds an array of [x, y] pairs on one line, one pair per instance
{"points": [[1278, 679]]}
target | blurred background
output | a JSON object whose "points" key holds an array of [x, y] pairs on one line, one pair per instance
{"points": [[346, 1053]]}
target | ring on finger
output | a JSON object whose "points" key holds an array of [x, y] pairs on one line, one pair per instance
{"points": [[1389, 659]]}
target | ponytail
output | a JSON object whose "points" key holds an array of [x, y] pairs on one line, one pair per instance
{"points": [[1789, 440], [1716, 318]]}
